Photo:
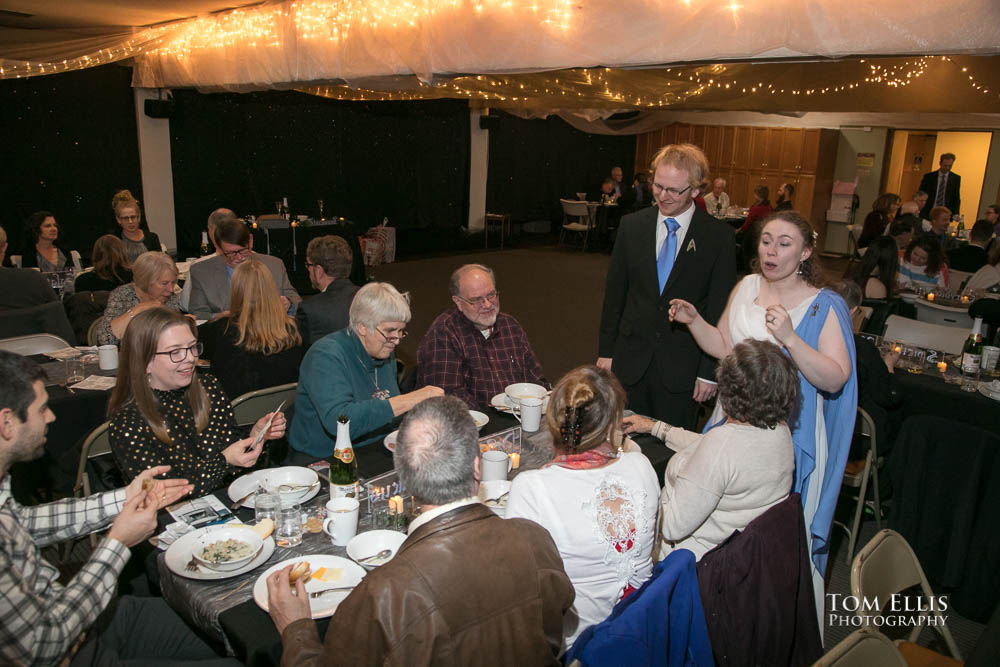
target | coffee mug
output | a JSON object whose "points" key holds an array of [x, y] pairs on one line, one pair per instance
{"points": [[107, 357], [531, 413], [341, 523], [495, 465]]}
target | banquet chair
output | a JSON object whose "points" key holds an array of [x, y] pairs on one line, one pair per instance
{"points": [[15, 260], [946, 316], [581, 227], [253, 405], [863, 648], [859, 480], [96, 444], [956, 279], [501, 219], [33, 344], [885, 566], [924, 334]]}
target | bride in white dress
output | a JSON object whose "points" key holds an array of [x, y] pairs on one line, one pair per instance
{"points": [[783, 302]]}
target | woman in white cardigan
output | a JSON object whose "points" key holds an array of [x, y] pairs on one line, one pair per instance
{"points": [[598, 497], [720, 481]]}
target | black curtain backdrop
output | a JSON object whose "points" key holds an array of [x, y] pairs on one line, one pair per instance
{"points": [[534, 163], [68, 143], [407, 161]]}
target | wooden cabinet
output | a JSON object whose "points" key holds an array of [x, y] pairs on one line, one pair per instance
{"points": [[791, 150]]}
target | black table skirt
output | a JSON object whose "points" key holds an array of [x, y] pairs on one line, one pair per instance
{"points": [[928, 394]]}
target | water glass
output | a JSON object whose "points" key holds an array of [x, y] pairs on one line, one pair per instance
{"points": [[266, 505], [74, 370], [289, 525]]}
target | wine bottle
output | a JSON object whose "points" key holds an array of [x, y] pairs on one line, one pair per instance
{"points": [[343, 466], [205, 248], [284, 208], [972, 353]]}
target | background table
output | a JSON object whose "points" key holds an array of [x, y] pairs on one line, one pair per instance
{"points": [[927, 394]]}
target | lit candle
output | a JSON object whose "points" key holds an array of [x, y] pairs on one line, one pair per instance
{"points": [[930, 296], [515, 460], [255, 225], [897, 349], [942, 367], [395, 505], [965, 299]]}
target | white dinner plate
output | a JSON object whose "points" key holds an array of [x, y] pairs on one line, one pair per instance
{"points": [[984, 389], [241, 486], [390, 441], [324, 606], [502, 403], [179, 555]]}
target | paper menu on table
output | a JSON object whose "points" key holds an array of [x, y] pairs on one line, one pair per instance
{"points": [[96, 383], [201, 512]]}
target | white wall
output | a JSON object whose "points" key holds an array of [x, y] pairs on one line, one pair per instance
{"points": [[991, 180], [157, 172], [854, 140]]}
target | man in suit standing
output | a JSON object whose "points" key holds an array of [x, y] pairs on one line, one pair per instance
{"points": [[661, 253], [942, 186], [328, 262], [210, 279]]}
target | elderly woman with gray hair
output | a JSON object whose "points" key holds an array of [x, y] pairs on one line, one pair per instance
{"points": [[352, 372], [154, 277]]}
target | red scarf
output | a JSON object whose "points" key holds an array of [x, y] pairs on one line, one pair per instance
{"points": [[598, 457]]}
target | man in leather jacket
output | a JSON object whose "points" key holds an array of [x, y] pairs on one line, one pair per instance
{"points": [[465, 588]]}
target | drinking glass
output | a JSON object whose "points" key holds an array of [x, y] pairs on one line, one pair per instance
{"points": [[266, 505], [289, 525], [74, 370]]}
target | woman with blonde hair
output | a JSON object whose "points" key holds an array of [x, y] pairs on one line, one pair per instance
{"points": [[128, 214], [256, 343], [598, 497], [111, 266], [154, 277], [163, 412]]}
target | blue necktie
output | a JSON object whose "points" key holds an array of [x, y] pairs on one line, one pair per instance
{"points": [[665, 261]]}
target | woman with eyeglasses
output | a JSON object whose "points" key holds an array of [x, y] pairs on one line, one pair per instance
{"points": [[163, 412], [352, 373], [154, 277], [256, 344], [128, 214]]}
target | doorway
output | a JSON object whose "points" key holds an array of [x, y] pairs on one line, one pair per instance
{"points": [[913, 153]]}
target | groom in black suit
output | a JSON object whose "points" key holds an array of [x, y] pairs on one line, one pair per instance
{"points": [[673, 250]]}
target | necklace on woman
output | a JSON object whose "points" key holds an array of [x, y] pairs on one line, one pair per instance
{"points": [[379, 394]]}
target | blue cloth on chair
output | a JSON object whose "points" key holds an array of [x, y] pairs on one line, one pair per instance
{"points": [[662, 623]]}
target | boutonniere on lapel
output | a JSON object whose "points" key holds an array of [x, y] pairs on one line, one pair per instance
{"points": [[691, 246]]}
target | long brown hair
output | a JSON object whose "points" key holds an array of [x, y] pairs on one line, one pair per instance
{"points": [[109, 257], [588, 400], [138, 348], [256, 310], [809, 269]]}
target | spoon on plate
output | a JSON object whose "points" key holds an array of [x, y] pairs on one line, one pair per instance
{"points": [[385, 553]]}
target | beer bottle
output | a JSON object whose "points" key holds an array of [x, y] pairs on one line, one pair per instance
{"points": [[343, 467], [206, 249]]}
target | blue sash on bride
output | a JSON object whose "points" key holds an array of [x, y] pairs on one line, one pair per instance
{"points": [[839, 412]]}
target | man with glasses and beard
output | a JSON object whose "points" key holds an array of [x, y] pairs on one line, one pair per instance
{"points": [[671, 251], [475, 351], [210, 279]]}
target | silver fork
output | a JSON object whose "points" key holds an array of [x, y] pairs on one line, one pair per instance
{"points": [[316, 594], [192, 565]]}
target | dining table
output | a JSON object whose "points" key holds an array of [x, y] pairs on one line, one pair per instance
{"points": [[927, 393], [225, 610]]}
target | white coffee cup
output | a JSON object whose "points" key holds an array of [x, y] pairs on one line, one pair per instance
{"points": [[531, 413], [107, 357], [341, 522], [495, 464]]}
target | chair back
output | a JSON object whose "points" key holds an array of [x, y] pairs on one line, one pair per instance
{"points": [[887, 565], [33, 344], [575, 208], [253, 405], [945, 316], [77, 260], [15, 260], [956, 278], [863, 648], [924, 334], [96, 444]]}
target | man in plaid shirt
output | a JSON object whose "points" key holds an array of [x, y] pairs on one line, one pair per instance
{"points": [[475, 351], [41, 621]]}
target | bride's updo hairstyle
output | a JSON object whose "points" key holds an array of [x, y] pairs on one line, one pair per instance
{"points": [[585, 410]]}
